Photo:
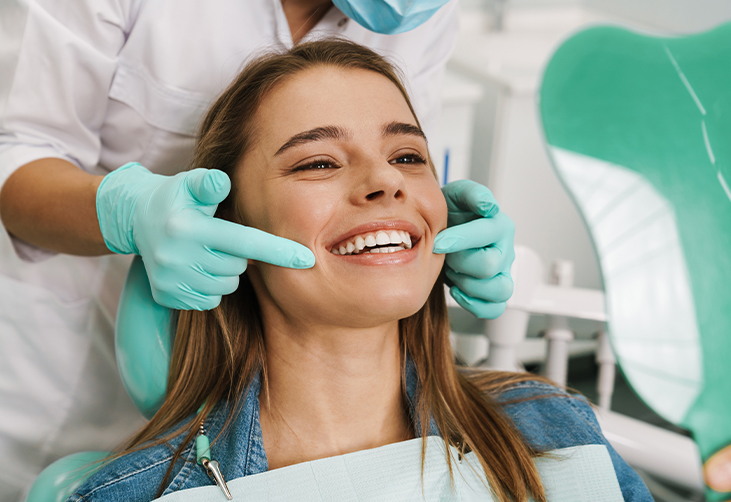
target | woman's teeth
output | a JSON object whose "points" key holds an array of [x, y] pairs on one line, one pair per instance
{"points": [[378, 242]]}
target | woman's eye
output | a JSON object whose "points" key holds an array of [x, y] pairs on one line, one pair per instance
{"points": [[411, 158], [317, 165]]}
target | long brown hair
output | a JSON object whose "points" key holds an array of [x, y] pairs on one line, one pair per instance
{"points": [[217, 353]]}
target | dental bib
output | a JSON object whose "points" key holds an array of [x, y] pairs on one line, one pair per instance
{"points": [[393, 472]]}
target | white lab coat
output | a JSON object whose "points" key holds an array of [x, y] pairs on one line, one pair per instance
{"points": [[101, 83]]}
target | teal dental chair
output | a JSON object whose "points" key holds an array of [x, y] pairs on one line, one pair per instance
{"points": [[638, 129], [142, 346]]}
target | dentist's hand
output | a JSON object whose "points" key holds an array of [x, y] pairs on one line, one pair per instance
{"points": [[192, 258], [717, 471], [479, 243]]}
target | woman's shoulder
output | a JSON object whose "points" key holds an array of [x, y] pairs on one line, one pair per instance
{"points": [[548, 416], [528, 388], [138, 476], [133, 477]]}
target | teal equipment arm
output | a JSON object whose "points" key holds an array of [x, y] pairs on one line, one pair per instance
{"points": [[638, 130], [143, 341], [58, 481]]}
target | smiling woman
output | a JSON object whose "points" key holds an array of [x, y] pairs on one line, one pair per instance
{"points": [[323, 147]]}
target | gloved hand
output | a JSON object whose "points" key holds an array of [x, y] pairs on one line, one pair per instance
{"points": [[479, 247], [192, 258]]}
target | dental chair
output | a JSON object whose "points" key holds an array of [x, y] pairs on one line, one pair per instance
{"points": [[638, 129], [142, 345]]}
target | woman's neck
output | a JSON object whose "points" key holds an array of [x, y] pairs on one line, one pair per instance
{"points": [[331, 391], [303, 15]]}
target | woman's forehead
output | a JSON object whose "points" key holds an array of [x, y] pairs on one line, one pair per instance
{"points": [[352, 99]]}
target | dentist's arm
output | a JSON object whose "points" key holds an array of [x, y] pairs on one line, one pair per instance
{"points": [[50, 203], [479, 247], [192, 258]]}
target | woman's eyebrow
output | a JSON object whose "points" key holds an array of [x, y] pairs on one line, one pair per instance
{"points": [[397, 128], [316, 134]]}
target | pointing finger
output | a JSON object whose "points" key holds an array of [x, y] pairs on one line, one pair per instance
{"points": [[479, 233], [255, 244]]}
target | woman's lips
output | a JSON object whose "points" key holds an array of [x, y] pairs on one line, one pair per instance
{"points": [[378, 243], [382, 241], [386, 242], [388, 258], [376, 235]]}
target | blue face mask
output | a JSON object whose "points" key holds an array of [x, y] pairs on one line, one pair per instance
{"points": [[389, 16]]}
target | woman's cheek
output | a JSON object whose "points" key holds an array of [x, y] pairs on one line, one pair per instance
{"points": [[303, 218], [434, 208]]}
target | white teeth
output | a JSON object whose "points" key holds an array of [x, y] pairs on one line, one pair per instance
{"points": [[407, 240], [396, 240], [382, 238], [359, 243]]}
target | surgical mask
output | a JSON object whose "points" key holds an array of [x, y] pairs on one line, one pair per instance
{"points": [[389, 16]]}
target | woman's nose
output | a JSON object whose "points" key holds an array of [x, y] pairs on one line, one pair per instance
{"points": [[380, 181]]}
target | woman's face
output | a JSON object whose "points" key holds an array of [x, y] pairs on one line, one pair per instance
{"points": [[339, 165]]}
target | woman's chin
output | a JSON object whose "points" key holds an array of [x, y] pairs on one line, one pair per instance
{"points": [[349, 297], [373, 310]]}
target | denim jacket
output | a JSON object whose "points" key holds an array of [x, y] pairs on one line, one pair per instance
{"points": [[556, 420]]}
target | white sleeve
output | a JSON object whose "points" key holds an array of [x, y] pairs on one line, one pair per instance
{"points": [[56, 99], [59, 62]]}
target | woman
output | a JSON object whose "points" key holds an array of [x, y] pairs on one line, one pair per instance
{"points": [[324, 148]]}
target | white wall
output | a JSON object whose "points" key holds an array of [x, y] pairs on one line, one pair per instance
{"points": [[675, 16]]}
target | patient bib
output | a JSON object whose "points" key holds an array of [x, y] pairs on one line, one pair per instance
{"points": [[393, 473]]}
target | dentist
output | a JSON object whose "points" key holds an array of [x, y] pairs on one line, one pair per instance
{"points": [[96, 91]]}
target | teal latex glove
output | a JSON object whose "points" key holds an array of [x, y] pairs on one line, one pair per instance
{"points": [[479, 243], [192, 258]]}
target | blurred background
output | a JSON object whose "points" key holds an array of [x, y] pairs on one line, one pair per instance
{"points": [[491, 132], [490, 127]]}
